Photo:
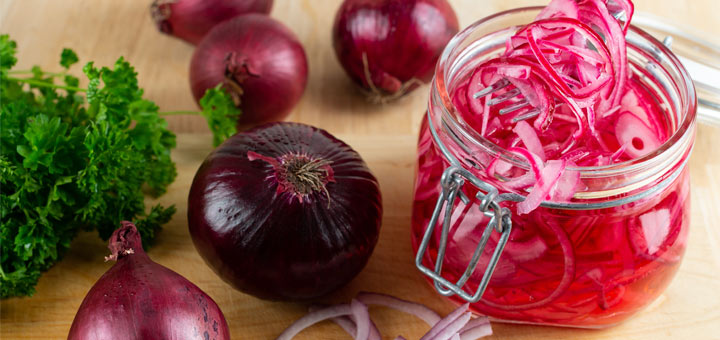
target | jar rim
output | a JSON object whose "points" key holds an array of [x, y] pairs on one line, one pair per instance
{"points": [[684, 130]]}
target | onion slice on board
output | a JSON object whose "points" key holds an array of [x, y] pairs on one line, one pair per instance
{"points": [[354, 319]]}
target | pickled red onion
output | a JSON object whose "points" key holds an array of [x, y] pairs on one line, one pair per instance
{"points": [[549, 175], [530, 138], [570, 64]]}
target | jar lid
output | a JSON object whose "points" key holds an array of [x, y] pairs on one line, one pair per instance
{"points": [[701, 58]]}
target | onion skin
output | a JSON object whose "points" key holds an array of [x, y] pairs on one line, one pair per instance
{"points": [[401, 39], [140, 299], [268, 242], [190, 20], [259, 61]]}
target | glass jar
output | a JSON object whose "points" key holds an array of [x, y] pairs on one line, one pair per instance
{"points": [[591, 262]]}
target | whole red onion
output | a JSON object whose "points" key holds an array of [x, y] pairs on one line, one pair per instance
{"points": [[260, 62], [139, 299], [389, 47], [190, 20], [285, 211]]}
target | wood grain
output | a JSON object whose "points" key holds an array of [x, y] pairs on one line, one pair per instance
{"points": [[102, 30]]}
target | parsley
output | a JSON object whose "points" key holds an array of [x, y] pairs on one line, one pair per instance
{"points": [[74, 159], [68, 58], [220, 112]]}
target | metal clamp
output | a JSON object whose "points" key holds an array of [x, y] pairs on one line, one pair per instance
{"points": [[452, 181]]}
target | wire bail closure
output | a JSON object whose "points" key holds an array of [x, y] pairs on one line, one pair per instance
{"points": [[452, 181]]}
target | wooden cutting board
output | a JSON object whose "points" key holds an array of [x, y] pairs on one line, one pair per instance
{"points": [[384, 135]]}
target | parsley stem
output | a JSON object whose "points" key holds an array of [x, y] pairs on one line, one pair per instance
{"points": [[52, 74], [170, 113], [39, 83]]}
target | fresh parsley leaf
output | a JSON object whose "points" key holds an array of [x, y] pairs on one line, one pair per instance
{"points": [[68, 58], [8, 48], [221, 113], [70, 162], [37, 72]]}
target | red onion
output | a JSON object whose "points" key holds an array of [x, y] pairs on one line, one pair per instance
{"points": [[260, 62], [389, 47], [190, 20], [285, 211], [140, 299]]}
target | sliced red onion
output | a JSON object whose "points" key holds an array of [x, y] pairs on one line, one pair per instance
{"points": [[440, 325], [549, 176], [422, 312], [568, 184], [520, 182], [476, 328], [530, 139], [453, 327], [528, 91], [476, 322], [612, 111], [494, 126], [362, 319], [568, 275], [313, 318], [633, 132], [347, 324], [498, 166], [485, 115], [354, 319], [575, 155], [560, 8], [515, 71], [374, 332], [535, 162], [525, 251], [616, 155], [656, 228]]}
